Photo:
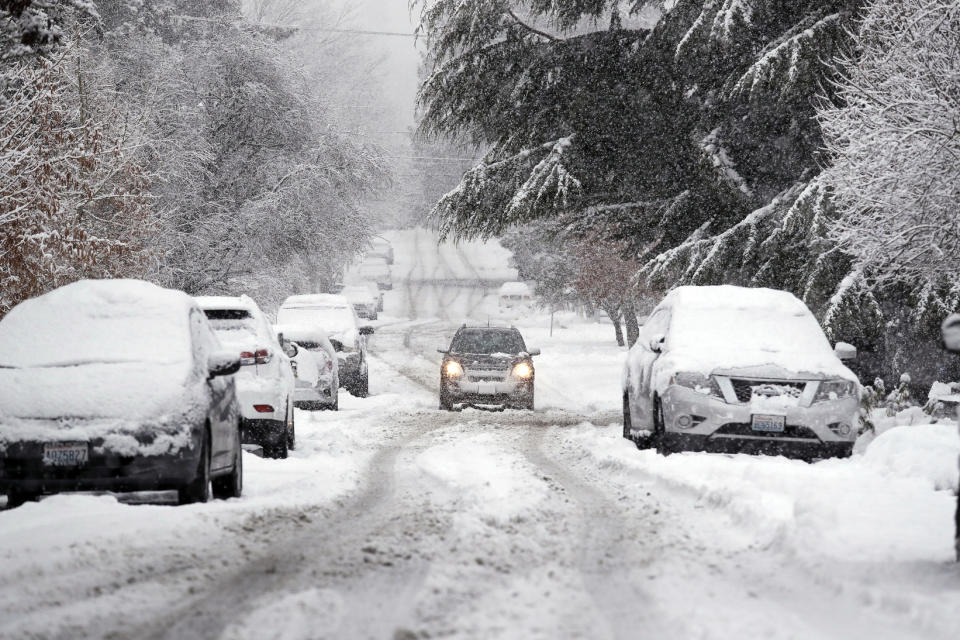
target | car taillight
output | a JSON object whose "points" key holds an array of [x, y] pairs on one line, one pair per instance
{"points": [[263, 408], [260, 356]]}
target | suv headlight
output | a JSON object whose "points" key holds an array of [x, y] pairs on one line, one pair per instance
{"points": [[835, 390], [707, 385], [452, 369], [522, 370]]}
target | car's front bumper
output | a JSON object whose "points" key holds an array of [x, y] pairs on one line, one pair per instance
{"points": [[716, 425], [22, 469], [498, 392]]}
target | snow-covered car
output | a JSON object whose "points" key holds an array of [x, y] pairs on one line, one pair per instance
{"points": [[364, 301], [317, 370], [487, 366], [116, 385], [381, 248], [951, 342], [333, 313], [733, 369], [265, 383], [378, 271], [515, 295]]}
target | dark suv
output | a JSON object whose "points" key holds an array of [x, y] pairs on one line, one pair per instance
{"points": [[487, 366]]}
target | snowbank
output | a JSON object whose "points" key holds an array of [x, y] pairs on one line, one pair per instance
{"points": [[929, 452]]}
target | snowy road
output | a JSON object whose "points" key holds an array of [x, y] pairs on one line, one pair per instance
{"points": [[395, 520]]}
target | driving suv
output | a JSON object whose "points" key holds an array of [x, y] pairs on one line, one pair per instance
{"points": [[734, 369], [487, 366]]}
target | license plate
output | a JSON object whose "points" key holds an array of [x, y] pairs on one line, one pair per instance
{"points": [[74, 454], [769, 424]]}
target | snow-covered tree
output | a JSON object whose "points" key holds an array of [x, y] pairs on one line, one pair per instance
{"points": [[893, 135]]}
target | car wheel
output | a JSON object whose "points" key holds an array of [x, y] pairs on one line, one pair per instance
{"points": [[659, 432], [230, 485], [278, 450], [362, 387], [529, 405], [198, 490], [292, 433], [445, 404], [627, 422], [16, 498]]}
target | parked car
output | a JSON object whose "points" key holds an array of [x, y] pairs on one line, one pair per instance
{"points": [[365, 302], [265, 383], [951, 342], [487, 366], [116, 385], [317, 372], [335, 314], [378, 271], [734, 369], [381, 248], [515, 295]]}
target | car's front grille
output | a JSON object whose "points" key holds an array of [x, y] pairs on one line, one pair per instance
{"points": [[745, 389], [745, 429]]}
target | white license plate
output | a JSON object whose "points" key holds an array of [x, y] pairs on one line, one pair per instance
{"points": [[65, 454], [487, 388], [769, 424]]}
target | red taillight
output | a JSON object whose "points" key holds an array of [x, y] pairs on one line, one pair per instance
{"points": [[263, 408], [260, 356], [329, 365]]}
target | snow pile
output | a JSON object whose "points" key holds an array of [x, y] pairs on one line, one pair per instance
{"points": [[929, 452], [313, 614], [742, 328], [873, 508]]}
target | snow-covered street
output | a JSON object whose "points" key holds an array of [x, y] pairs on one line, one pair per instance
{"points": [[393, 519]]}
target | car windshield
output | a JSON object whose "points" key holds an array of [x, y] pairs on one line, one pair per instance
{"points": [[334, 318], [487, 341]]}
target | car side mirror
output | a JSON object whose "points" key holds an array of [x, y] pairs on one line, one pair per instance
{"points": [[366, 331], [222, 363], [291, 349], [950, 332], [535, 351], [441, 350], [845, 351], [656, 342]]}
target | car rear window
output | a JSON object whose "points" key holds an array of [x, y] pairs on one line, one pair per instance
{"points": [[487, 341], [232, 325]]}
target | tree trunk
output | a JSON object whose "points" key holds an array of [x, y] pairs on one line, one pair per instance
{"points": [[614, 314], [630, 320]]}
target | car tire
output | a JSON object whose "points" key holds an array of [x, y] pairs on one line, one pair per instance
{"points": [[198, 490], [230, 485], [361, 388], [445, 404], [17, 498], [292, 433], [659, 432], [627, 421], [280, 449]]}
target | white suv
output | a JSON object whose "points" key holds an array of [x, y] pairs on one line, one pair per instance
{"points": [[265, 383]]}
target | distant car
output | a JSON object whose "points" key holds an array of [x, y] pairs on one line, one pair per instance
{"points": [[336, 315], [487, 366], [116, 385], [318, 378], [513, 295], [364, 302], [733, 369], [381, 248], [265, 383], [377, 271]]}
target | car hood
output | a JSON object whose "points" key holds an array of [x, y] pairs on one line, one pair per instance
{"points": [[125, 391], [798, 367]]}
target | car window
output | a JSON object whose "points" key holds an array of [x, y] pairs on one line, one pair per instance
{"points": [[487, 341], [334, 318], [233, 325], [659, 322]]}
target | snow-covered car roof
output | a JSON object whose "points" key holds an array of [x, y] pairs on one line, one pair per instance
{"points": [[302, 332], [733, 327], [98, 321], [331, 300], [359, 294], [514, 288]]}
